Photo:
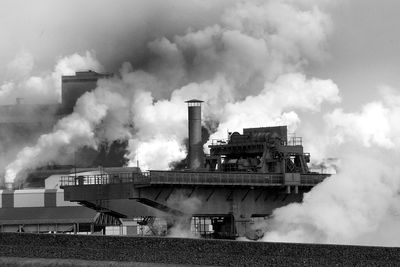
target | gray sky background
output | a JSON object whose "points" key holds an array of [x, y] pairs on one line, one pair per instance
{"points": [[363, 48]]}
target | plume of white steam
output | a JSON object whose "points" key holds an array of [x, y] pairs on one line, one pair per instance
{"points": [[74, 131], [182, 225], [275, 105], [41, 89], [161, 126], [359, 205], [257, 49], [255, 42]]}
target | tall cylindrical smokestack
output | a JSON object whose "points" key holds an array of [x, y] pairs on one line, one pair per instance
{"points": [[195, 142]]}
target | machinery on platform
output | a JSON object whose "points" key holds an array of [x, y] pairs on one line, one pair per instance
{"points": [[243, 178], [263, 150]]}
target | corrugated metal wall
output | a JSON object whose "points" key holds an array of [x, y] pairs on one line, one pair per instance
{"points": [[34, 198]]}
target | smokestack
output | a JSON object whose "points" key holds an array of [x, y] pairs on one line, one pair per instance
{"points": [[195, 145]]}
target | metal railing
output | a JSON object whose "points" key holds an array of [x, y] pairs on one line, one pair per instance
{"points": [[295, 141], [312, 179], [96, 179], [181, 177], [215, 178], [219, 142]]}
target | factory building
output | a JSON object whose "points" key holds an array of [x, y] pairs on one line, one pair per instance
{"points": [[38, 204], [21, 123], [44, 210], [74, 86]]}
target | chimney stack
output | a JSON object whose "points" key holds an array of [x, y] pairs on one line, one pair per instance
{"points": [[195, 140]]}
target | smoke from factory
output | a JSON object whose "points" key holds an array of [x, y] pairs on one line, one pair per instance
{"points": [[360, 204], [230, 65], [23, 84], [249, 68]]}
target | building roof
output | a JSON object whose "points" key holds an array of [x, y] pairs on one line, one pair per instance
{"points": [[86, 75], [194, 101]]}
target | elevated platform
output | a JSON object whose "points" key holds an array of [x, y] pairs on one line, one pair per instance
{"points": [[153, 178], [185, 194]]}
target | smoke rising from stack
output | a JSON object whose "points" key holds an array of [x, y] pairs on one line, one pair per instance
{"points": [[248, 66]]}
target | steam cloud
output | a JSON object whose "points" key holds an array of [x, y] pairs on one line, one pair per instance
{"points": [[188, 205], [252, 51], [41, 89], [249, 69], [359, 205]]}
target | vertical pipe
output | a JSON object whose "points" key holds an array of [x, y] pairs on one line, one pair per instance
{"points": [[195, 140]]}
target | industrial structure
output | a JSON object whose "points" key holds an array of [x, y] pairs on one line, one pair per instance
{"points": [[36, 204], [220, 195], [245, 177], [22, 123], [74, 86]]}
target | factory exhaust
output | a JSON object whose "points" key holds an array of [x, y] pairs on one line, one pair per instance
{"points": [[195, 141]]}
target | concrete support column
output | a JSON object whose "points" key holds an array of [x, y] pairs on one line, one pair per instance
{"points": [[288, 189]]}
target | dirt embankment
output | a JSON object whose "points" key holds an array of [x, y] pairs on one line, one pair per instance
{"points": [[179, 251]]}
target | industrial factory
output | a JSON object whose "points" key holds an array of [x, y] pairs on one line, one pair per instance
{"points": [[216, 195]]}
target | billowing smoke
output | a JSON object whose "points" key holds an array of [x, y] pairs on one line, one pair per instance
{"points": [[360, 204], [22, 84], [72, 132], [252, 58], [181, 225], [29, 100]]}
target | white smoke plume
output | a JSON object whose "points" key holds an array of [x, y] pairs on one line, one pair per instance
{"points": [[252, 58], [181, 226], [22, 83], [253, 51], [22, 124], [360, 204], [74, 131], [276, 104]]}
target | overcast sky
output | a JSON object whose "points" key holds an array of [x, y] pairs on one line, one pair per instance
{"points": [[363, 47]]}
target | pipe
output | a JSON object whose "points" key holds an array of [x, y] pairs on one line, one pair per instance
{"points": [[195, 140]]}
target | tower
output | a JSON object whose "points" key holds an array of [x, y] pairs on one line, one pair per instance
{"points": [[195, 140]]}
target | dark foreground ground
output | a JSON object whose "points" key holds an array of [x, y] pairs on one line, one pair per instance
{"points": [[78, 250]]}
